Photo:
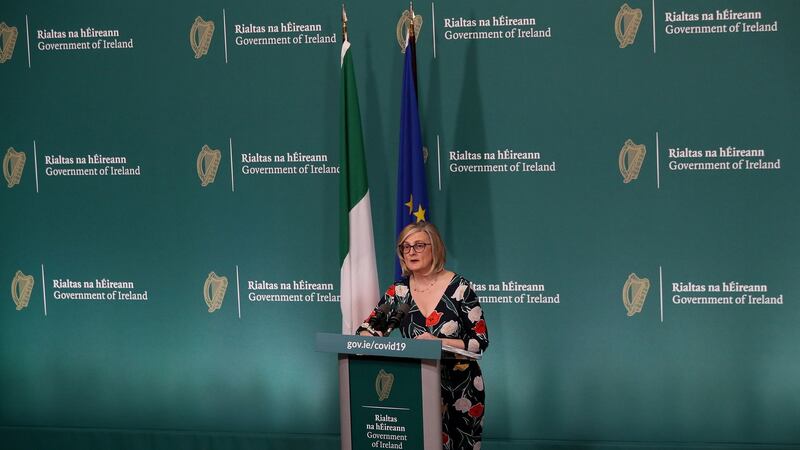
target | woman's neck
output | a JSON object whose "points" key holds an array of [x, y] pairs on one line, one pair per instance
{"points": [[423, 277]]}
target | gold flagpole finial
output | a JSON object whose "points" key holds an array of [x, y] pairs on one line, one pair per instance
{"points": [[344, 23]]}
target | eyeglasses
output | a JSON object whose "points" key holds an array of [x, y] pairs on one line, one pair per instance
{"points": [[419, 247]]}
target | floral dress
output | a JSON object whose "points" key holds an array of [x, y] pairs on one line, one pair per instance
{"points": [[458, 315]]}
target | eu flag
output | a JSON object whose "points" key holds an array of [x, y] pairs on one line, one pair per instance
{"points": [[412, 191]]}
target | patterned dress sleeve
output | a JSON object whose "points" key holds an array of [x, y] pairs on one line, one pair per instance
{"points": [[475, 334]]}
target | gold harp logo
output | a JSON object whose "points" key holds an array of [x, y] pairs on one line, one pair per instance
{"points": [[207, 165], [406, 20], [626, 25], [8, 35], [214, 291], [631, 158], [21, 288], [200, 36], [13, 163], [383, 384], [634, 293]]}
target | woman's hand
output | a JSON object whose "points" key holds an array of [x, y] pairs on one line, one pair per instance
{"points": [[426, 335], [367, 333]]}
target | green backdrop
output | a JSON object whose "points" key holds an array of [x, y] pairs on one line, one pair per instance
{"points": [[565, 82]]}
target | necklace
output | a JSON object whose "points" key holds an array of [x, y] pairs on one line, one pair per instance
{"points": [[427, 287]]}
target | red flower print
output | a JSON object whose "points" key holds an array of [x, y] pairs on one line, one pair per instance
{"points": [[433, 319], [476, 411], [445, 438], [480, 327], [372, 314], [390, 291]]}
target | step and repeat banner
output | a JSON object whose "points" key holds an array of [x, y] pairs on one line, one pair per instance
{"points": [[618, 179]]}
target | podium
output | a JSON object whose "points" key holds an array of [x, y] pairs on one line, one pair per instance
{"points": [[389, 391]]}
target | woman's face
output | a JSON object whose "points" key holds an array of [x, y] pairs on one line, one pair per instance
{"points": [[418, 262]]}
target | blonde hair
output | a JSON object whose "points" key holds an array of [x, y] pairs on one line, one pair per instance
{"points": [[438, 250]]}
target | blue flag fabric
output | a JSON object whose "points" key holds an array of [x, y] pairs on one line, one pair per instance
{"points": [[412, 190]]}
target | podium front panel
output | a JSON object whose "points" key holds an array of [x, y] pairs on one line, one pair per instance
{"points": [[386, 404]]}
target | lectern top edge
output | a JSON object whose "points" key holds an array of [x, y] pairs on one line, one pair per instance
{"points": [[378, 346]]}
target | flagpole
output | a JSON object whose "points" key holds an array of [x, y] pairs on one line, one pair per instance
{"points": [[344, 24], [411, 25], [412, 41]]}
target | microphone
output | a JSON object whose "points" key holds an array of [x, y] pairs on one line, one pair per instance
{"points": [[378, 322], [397, 318]]}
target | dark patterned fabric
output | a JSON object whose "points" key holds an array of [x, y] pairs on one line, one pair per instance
{"points": [[458, 315]]}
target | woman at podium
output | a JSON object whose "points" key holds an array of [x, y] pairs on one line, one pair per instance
{"points": [[443, 306]]}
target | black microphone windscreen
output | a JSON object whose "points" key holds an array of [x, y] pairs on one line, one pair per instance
{"points": [[381, 318], [397, 318]]}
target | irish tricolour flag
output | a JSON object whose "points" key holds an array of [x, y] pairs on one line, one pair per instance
{"points": [[359, 276]]}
